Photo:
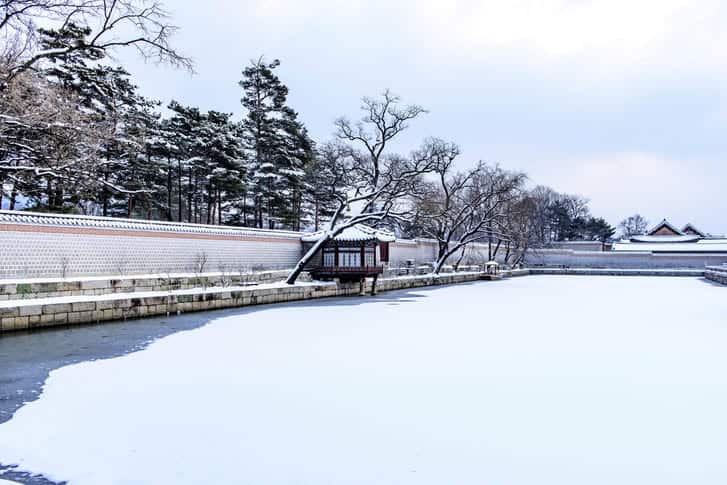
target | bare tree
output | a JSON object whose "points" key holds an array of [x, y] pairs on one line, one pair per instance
{"points": [[543, 198], [104, 24], [519, 229], [370, 184], [633, 226], [44, 136], [461, 208]]}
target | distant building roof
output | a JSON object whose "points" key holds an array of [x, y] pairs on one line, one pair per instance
{"points": [[692, 229], [359, 232], [664, 224]]}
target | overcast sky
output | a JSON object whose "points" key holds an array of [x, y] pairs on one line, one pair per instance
{"points": [[622, 101]]}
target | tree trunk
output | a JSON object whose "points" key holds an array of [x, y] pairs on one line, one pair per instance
{"points": [[447, 254], [169, 190], [305, 260], [59, 195], [189, 198], [219, 207], [179, 190], [13, 197], [105, 194], [317, 212], [332, 233], [497, 248], [49, 193], [210, 205], [459, 260], [244, 208]]}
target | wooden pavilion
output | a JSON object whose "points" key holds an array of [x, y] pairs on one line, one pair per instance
{"points": [[356, 253]]}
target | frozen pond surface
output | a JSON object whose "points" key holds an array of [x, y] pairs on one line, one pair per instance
{"points": [[534, 380]]}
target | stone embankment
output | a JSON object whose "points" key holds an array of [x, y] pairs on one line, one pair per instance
{"points": [[30, 313], [21, 289], [30, 304], [718, 274]]}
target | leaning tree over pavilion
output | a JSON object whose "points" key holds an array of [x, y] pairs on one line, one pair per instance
{"points": [[369, 184]]}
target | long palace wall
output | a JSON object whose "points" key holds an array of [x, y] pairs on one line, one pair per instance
{"points": [[45, 245], [621, 260], [42, 246]]}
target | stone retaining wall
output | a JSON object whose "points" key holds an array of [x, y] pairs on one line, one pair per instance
{"points": [[718, 274], [88, 286], [30, 314], [69, 310]]}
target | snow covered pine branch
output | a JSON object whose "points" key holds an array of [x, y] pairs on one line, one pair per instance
{"points": [[85, 26]]}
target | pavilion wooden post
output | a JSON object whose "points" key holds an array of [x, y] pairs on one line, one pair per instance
{"points": [[373, 285]]}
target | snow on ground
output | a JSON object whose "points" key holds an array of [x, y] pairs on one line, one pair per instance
{"points": [[56, 300], [535, 380]]}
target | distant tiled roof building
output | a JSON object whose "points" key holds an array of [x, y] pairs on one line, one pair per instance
{"points": [[665, 237], [664, 228], [691, 229]]}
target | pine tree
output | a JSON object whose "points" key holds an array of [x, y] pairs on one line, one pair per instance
{"points": [[122, 119], [278, 148], [222, 153]]}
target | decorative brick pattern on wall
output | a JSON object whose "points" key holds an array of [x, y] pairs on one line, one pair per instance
{"points": [[40, 254]]}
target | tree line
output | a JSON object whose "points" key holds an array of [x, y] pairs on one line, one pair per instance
{"points": [[78, 137]]}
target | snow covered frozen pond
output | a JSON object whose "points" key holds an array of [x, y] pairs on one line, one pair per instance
{"points": [[534, 380]]}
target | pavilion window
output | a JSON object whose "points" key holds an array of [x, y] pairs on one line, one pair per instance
{"points": [[329, 257], [349, 257], [370, 255]]}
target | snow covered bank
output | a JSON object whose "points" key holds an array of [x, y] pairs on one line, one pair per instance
{"points": [[63, 310], [540, 380]]}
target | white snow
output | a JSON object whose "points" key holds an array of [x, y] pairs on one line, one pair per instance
{"points": [[682, 238], [701, 246], [135, 276], [56, 300], [357, 232], [537, 380]]}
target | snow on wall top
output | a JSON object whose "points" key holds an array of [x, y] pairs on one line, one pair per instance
{"points": [[113, 223], [359, 232], [700, 246], [687, 238]]}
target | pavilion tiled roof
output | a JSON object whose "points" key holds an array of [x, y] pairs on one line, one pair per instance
{"points": [[359, 232]]}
